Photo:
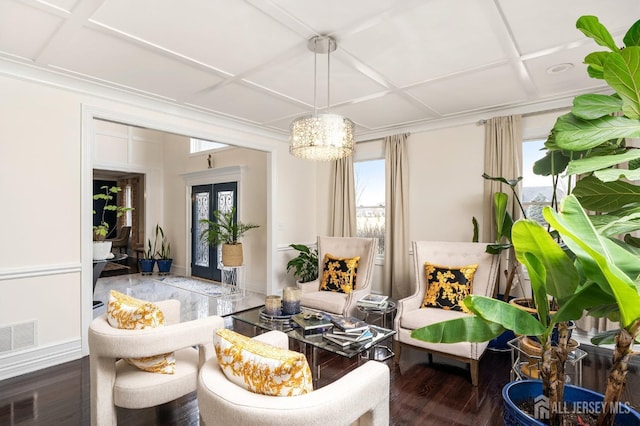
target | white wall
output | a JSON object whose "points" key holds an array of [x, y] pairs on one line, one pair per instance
{"points": [[46, 158]]}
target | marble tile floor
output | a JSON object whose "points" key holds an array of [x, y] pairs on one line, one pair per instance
{"points": [[193, 305]]}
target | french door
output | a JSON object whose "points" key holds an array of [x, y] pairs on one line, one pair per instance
{"points": [[205, 199]]}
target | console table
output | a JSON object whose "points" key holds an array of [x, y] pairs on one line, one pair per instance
{"points": [[98, 266]]}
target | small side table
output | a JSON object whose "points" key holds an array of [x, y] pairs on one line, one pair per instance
{"points": [[526, 366], [234, 276], [386, 313]]}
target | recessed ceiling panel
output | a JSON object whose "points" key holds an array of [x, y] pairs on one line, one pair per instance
{"points": [[14, 39], [67, 5], [229, 35], [383, 111], [573, 79], [95, 54], [475, 90], [295, 78], [543, 24], [247, 103], [328, 16], [429, 41]]}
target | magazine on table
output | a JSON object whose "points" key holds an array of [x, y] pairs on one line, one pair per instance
{"points": [[375, 300], [350, 324]]}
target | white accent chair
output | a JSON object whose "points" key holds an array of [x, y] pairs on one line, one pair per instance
{"points": [[340, 303], [114, 382], [410, 316], [361, 397]]}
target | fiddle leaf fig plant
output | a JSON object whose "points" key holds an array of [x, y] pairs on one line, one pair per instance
{"points": [[591, 268], [101, 231]]}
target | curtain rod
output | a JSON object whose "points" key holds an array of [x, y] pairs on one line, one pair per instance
{"points": [[382, 138], [529, 114]]}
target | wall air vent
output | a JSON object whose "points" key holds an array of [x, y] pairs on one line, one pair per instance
{"points": [[18, 336]]}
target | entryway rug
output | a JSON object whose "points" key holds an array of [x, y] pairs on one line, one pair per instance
{"points": [[208, 288]]}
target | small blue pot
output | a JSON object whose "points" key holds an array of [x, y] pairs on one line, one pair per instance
{"points": [[574, 396], [164, 266], [146, 266]]}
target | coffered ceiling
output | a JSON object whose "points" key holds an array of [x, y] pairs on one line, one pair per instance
{"points": [[399, 64]]}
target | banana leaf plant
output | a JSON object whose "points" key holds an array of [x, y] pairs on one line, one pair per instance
{"points": [[598, 270]]}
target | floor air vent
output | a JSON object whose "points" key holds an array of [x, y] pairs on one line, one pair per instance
{"points": [[17, 336]]}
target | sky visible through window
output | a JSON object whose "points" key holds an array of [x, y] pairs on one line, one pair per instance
{"points": [[369, 177]]}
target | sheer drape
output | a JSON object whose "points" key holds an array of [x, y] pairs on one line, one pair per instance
{"points": [[343, 207], [502, 158], [396, 240]]}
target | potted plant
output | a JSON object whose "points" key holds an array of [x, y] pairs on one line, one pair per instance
{"points": [[225, 230], [102, 248], [148, 259], [590, 268], [305, 264], [163, 253]]}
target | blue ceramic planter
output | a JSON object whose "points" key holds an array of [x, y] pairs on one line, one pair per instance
{"points": [[164, 266], [146, 266], [577, 398]]}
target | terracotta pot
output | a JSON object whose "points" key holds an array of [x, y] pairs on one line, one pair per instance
{"points": [[232, 254]]}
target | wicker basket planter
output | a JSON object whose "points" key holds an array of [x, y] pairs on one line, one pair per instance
{"points": [[232, 254]]}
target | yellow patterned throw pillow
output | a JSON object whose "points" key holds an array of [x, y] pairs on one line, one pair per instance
{"points": [[339, 273], [128, 313], [262, 368], [448, 286]]}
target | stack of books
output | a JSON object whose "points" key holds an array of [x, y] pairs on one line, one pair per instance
{"points": [[348, 331], [376, 301], [312, 323], [345, 338]]}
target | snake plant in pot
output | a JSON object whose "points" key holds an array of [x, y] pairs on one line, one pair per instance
{"points": [[163, 252], [590, 268]]}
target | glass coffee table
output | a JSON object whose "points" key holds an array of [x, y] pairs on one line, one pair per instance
{"points": [[310, 344]]}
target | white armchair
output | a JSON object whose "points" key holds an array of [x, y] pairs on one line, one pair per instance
{"points": [[114, 382], [340, 303], [411, 316], [360, 397]]}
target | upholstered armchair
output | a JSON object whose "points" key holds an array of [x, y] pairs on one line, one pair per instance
{"points": [[114, 382], [121, 241], [411, 316], [360, 397], [340, 303]]}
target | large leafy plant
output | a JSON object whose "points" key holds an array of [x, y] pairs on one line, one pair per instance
{"points": [[101, 231], [305, 264], [599, 271], [224, 229]]}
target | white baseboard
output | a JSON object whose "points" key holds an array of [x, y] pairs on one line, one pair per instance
{"points": [[27, 361]]}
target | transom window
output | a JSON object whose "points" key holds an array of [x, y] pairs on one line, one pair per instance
{"points": [[201, 145]]}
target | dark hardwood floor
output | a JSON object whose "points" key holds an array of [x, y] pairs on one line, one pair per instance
{"points": [[421, 393]]}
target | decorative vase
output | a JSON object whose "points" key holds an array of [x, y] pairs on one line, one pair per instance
{"points": [[164, 266], [101, 250], [232, 254], [146, 266], [574, 396]]}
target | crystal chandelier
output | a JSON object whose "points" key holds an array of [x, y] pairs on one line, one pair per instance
{"points": [[322, 136]]}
